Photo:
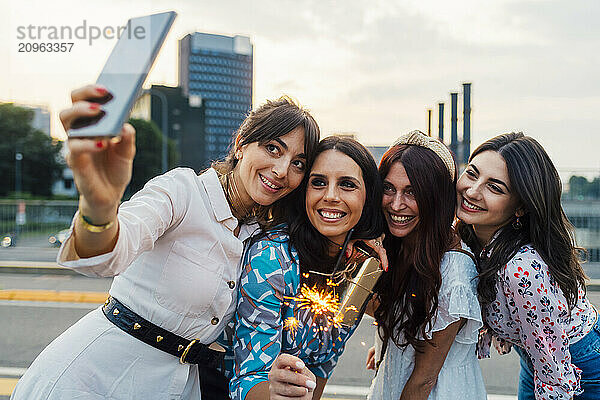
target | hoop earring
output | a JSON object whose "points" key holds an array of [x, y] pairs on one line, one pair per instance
{"points": [[517, 224]]}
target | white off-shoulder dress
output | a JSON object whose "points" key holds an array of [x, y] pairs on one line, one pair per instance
{"points": [[460, 376]]}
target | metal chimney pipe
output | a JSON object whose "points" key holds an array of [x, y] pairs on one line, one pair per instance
{"points": [[453, 124], [466, 122], [441, 121], [429, 122]]}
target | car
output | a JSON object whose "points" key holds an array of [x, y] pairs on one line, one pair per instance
{"points": [[8, 239], [56, 239]]}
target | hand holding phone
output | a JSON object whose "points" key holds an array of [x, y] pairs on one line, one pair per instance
{"points": [[102, 167], [124, 74]]}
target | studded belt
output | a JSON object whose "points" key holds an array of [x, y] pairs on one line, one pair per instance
{"points": [[188, 351]]}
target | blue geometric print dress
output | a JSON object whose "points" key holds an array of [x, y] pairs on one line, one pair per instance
{"points": [[270, 277]]}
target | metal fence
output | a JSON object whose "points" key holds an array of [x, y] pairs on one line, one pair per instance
{"points": [[42, 217], [37, 216]]}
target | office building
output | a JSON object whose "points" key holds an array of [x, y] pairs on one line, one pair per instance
{"points": [[217, 70]]}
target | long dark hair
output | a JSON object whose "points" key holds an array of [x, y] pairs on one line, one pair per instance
{"points": [[408, 292], [536, 183], [271, 120], [311, 245]]}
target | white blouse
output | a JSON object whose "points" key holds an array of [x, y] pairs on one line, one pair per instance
{"points": [[177, 264], [176, 260]]}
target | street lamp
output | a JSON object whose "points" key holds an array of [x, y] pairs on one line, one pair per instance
{"points": [[165, 124]]}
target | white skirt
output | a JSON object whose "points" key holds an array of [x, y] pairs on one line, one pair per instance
{"points": [[94, 359]]}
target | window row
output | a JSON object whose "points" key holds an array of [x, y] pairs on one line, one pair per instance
{"points": [[220, 87], [221, 79], [232, 123], [224, 96], [243, 108], [220, 70], [215, 112], [213, 148], [224, 61], [216, 130], [222, 139]]}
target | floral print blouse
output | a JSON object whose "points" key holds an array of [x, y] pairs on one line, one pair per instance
{"points": [[270, 279], [530, 311]]}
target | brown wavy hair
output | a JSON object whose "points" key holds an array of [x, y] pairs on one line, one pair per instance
{"points": [[271, 120], [408, 292], [536, 183]]}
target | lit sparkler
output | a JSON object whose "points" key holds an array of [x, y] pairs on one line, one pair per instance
{"points": [[321, 303], [291, 324]]}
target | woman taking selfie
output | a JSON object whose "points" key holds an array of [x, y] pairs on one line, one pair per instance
{"points": [[531, 284], [427, 311], [174, 250], [340, 196]]}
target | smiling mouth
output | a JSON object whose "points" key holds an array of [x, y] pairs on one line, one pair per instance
{"points": [[470, 206], [268, 183], [331, 215], [401, 219]]}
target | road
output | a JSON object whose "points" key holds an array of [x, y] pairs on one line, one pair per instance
{"points": [[27, 327]]}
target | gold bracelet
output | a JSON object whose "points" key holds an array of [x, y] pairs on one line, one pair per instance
{"points": [[87, 224]]}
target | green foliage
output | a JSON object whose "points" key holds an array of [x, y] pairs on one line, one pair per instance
{"points": [[580, 188], [41, 164], [148, 157]]}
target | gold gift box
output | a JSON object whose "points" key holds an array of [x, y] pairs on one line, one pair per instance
{"points": [[355, 284]]}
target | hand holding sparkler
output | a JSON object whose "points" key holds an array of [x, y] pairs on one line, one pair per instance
{"points": [[290, 378]]}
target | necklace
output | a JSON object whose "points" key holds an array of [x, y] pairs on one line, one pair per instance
{"points": [[232, 193]]}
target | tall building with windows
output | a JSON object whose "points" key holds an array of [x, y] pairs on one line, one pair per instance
{"points": [[217, 69]]}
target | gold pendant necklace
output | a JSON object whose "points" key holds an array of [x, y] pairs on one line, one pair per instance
{"points": [[240, 210]]}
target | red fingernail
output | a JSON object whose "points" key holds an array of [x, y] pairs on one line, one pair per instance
{"points": [[100, 144], [94, 106], [101, 90]]}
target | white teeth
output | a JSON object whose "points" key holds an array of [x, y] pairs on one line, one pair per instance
{"points": [[331, 215], [401, 219], [268, 183], [471, 206]]}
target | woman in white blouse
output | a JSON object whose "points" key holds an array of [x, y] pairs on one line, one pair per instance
{"points": [[532, 286], [174, 250], [427, 311]]}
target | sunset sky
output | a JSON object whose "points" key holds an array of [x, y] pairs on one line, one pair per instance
{"points": [[367, 67]]}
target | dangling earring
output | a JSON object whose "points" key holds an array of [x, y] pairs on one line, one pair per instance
{"points": [[517, 224]]}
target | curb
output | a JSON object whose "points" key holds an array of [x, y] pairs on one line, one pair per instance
{"points": [[34, 267], [61, 296]]}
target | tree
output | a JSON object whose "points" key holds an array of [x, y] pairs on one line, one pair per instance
{"points": [[148, 157], [41, 163], [581, 188]]}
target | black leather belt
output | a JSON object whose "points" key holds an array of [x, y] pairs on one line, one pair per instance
{"points": [[188, 351]]}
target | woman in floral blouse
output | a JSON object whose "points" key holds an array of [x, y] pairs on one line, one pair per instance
{"points": [[532, 286]]}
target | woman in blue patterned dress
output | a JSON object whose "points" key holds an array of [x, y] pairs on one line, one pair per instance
{"points": [[531, 283], [342, 193]]}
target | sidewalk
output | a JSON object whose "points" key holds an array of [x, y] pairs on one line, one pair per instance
{"points": [[42, 267]]}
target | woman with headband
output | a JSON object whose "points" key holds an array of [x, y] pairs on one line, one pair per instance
{"points": [[427, 311]]}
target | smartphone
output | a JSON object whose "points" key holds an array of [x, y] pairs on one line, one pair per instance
{"points": [[125, 72]]}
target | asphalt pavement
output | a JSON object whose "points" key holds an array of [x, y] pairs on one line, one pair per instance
{"points": [[31, 323]]}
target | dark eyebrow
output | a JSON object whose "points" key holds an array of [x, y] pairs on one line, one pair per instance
{"points": [[281, 142], [285, 147], [341, 177], [498, 181]]}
